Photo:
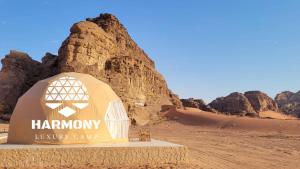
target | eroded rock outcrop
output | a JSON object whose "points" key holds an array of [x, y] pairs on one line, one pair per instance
{"points": [[19, 72], [289, 103], [250, 103], [101, 47], [235, 104], [197, 103], [261, 101]]}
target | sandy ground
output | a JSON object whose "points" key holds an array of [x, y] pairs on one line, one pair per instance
{"points": [[228, 149], [275, 115], [223, 142], [226, 142]]}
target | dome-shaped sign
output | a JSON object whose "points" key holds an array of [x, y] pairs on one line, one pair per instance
{"points": [[69, 108]]}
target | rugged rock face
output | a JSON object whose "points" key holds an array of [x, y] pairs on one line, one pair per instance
{"points": [[235, 104], [49, 64], [19, 72], [175, 100], [102, 47], [191, 102], [250, 103], [289, 103], [197, 103], [261, 101]]}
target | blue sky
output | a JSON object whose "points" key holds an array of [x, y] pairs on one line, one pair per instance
{"points": [[204, 48]]}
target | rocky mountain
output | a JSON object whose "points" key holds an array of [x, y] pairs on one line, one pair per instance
{"points": [[235, 104], [102, 48], [197, 103], [261, 101], [250, 103], [19, 72], [289, 102]]}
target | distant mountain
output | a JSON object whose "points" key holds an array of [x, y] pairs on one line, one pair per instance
{"points": [[289, 102], [250, 103]]}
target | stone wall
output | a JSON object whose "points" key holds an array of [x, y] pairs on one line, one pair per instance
{"points": [[76, 156]]}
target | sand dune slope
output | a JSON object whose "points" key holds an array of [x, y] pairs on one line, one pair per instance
{"points": [[225, 142], [275, 115], [220, 121]]}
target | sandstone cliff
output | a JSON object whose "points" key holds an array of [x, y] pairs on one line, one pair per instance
{"points": [[250, 103], [289, 103], [19, 72], [101, 47], [261, 101], [197, 103], [235, 104]]}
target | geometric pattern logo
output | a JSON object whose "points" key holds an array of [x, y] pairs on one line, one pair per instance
{"points": [[66, 89]]}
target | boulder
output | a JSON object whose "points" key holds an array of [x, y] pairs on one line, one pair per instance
{"points": [[234, 104], [289, 103], [261, 101]]}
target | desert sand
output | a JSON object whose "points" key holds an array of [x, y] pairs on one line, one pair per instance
{"points": [[275, 115], [228, 142]]}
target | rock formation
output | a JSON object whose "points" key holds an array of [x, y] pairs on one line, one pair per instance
{"points": [[102, 48], [197, 103], [289, 103], [235, 104], [19, 72], [261, 101], [250, 103]]}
